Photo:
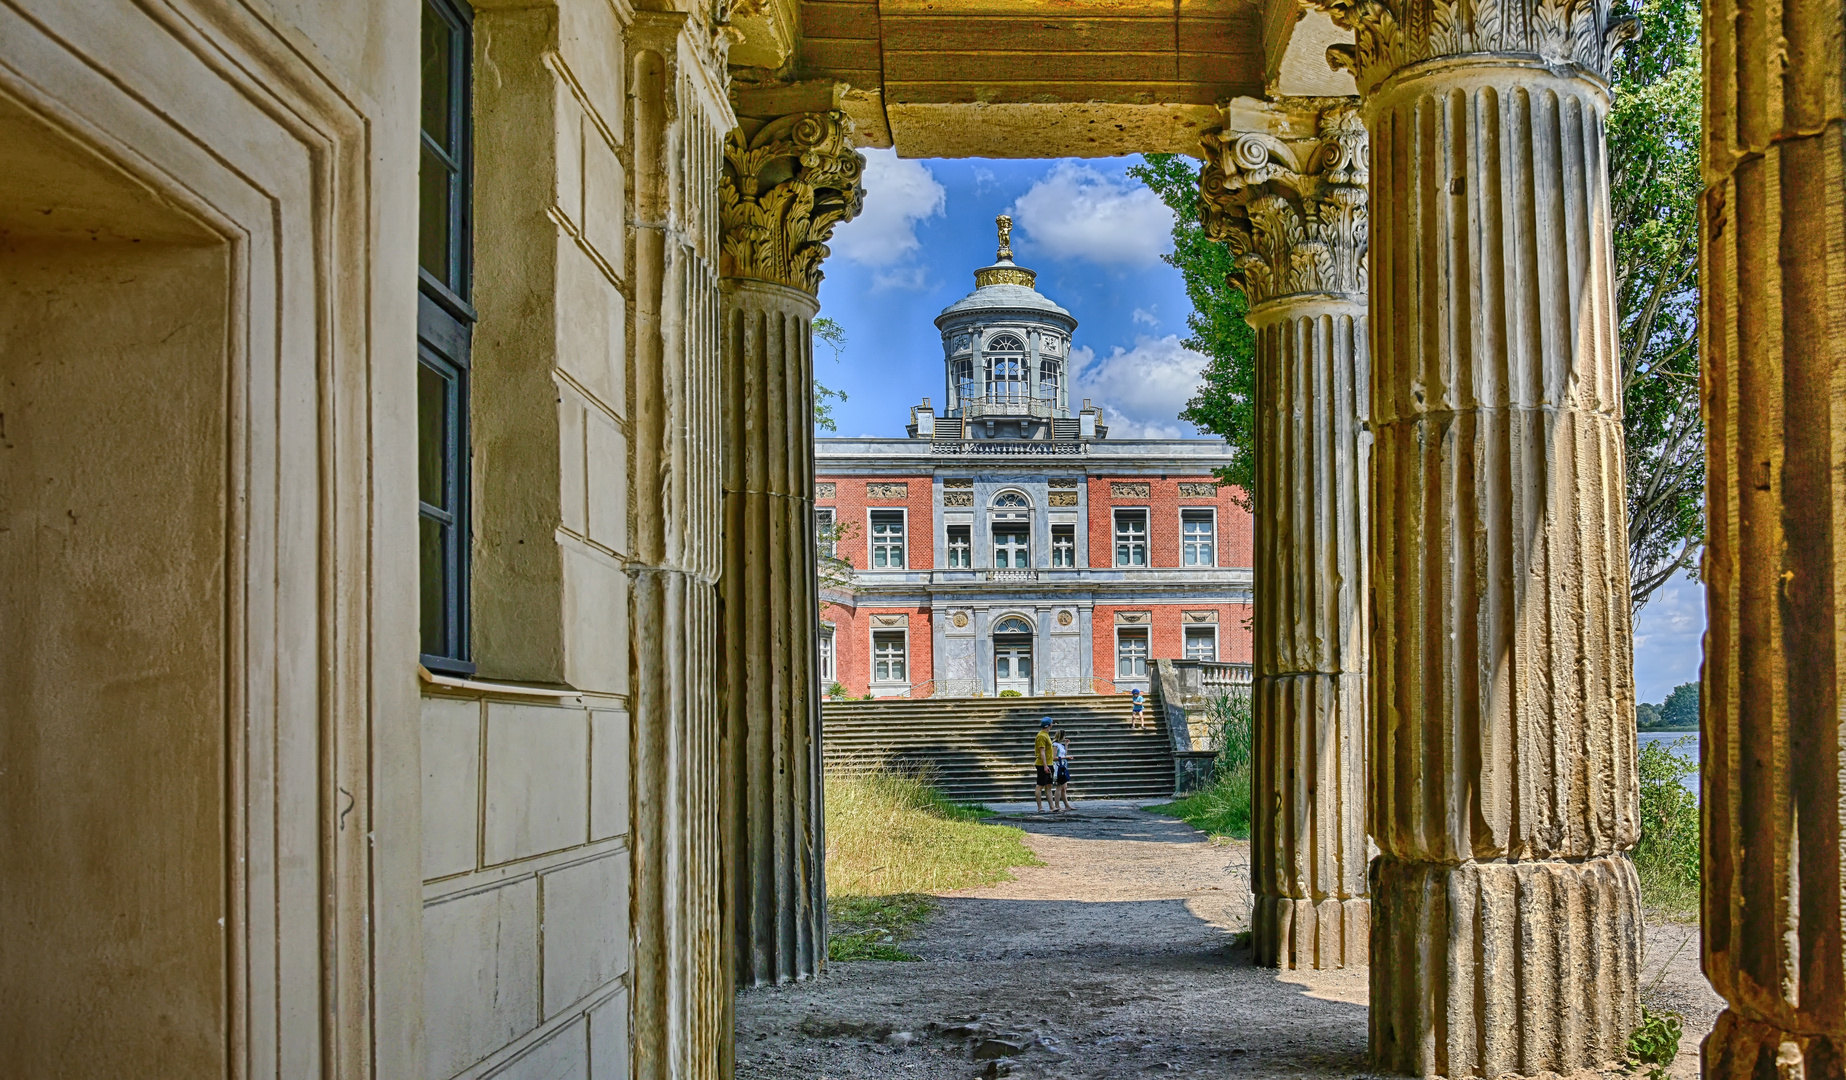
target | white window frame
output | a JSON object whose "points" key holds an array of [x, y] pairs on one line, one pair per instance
{"points": [[872, 651], [1145, 634], [967, 550], [1072, 564], [826, 546], [1115, 542], [871, 541], [1011, 528], [1209, 630], [829, 660], [1213, 512]]}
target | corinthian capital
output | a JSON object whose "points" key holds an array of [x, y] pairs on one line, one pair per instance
{"points": [[1293, 214], [784, 189], [1391, 34]]}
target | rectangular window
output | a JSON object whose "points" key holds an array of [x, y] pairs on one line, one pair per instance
{"points": [[961, 549], [888, 656], [1131, 654], [823, 530], [1012, 547], [1201, 643], [1131, 538], [1198, 538], [1064, 546], [887, 539], [826, 659], [444, 330]]}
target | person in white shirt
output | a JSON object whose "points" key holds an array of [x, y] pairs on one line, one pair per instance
{"points": [[1060, 794]]}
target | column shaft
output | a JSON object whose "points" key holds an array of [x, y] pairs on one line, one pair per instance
{"points": [[1308, 846], [1506, 932], [1294, 215], [1773, 338], [769, 601]]}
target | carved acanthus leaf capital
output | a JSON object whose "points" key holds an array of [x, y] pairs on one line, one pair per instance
{"points": [[1391, 34], [783, 191], [1293, 215]]}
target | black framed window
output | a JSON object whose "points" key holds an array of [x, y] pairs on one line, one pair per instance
{"points": [[445, 323]]}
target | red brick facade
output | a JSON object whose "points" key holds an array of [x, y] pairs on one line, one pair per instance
{"points": [[1163, 503], [1166, 633], [850, 505], [852, 645]]}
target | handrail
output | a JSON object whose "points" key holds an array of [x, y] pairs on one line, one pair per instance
{"points": [[1007, 405], [1009, 448]]}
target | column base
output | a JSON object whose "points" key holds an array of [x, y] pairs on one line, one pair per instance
{"points": [[1290, 933], [1490, 969], [1742, 1049]]}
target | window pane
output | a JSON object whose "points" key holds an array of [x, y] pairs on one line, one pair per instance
{"points": [[1025, 667], [433, 587], [438, 76], [1002, 668], [434, 206], [432, 436]]}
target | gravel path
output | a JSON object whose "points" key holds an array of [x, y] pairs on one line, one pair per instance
{"points": [[1116, 959]]}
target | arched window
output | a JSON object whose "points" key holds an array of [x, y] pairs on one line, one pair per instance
{"points": [[1011, 500], [1013, 624], [1005, 343]]}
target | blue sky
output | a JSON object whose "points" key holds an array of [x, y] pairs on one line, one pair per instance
{"points": [[1095, 236]]}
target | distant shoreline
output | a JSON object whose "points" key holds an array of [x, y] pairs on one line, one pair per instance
{"points": [[1693, 730]]}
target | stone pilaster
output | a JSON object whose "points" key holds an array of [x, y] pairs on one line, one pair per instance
{"points": [[1294, 215], [680, 992], [1773, 341], [788, 181], [1506, 921]]}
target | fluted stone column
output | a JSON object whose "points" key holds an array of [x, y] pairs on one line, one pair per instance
{"points": [[1294, 215], [1506, 920], [788, 181], [1773, 338]]}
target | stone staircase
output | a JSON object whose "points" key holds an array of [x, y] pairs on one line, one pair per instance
{"points": [[980, 749]]}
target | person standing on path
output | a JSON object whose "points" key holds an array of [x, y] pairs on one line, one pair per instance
{"points": [[1042, 759], [1140, 718], [1060, 794]]}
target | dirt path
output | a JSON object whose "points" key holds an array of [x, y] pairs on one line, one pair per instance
{"points": [[1115, 959]]}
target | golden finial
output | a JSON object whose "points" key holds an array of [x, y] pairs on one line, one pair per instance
{"points": [[1006, 238]]}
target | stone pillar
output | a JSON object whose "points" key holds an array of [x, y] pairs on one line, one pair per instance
{"points": [[1506, 921], [787, 182], [1294, 215], [1773, 338], [680, 992]]}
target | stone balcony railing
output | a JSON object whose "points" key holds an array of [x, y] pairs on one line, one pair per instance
{"points": [[976, 408], [1012, 575], [1008, 448]]}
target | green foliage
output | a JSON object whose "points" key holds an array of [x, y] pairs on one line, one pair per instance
{"points": [[1655, 1043], [1646, 717], [1008, 693], [1667, 857], [1681, 708], [1654, 137], [834, 335], [837, 691], [1223, 809], [1225, 402]]}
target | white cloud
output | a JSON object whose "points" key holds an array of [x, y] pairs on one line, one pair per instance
{"points": [[984, 180], [907, 278], [1147, 318], [1668, 635], [898, 194], [1141, 390], [1077, 211]]}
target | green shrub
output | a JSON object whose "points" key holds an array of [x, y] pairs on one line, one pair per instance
{"points": [[1223, 808], [1667, 857], [1009, 693], [1655, 1043], [837, 692]]}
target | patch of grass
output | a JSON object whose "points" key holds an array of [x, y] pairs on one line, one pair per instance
{"points": [[870, 927], [1667, 858], [892, 839], [1223, 808]]}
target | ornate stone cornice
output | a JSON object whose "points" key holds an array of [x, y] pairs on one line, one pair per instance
{"points": [[1294, 215], [1392, 34], [783, 191]]}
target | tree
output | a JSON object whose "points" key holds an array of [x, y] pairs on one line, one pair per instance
{"points": [[1225, 402], [1681, 708], [834, 335], [1654, 132], [1654, 167]]}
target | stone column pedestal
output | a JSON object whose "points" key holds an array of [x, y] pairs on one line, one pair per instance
{"points": [[1773, 343], [1506, 923], [1295, 217]]}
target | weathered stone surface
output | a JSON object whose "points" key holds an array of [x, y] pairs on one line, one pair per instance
{"points": [[1773, 343], [1294, 215], [1502, 739]]}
